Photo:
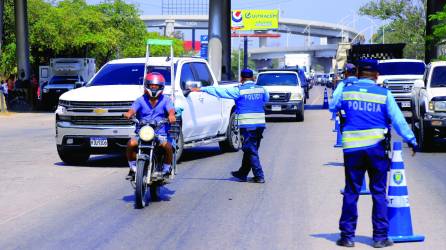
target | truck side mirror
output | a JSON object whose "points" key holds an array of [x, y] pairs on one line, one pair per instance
{"points": [[418, 84], [193, 84], [78, 84]]}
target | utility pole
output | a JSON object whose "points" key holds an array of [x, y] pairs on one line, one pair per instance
{"points": [[2, 8], [433, 6]]}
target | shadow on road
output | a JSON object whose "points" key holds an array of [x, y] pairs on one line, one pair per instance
{"points": [[313, 107], [278, 119], [101, 161], [198, 153], [165, 194], [334, 164], [232, 179], [335, 236]]}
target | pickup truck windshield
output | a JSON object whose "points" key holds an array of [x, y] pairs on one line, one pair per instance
{"points": [[277, 79], [401, 68], [64, 80], [438, 77], [126, 74]]}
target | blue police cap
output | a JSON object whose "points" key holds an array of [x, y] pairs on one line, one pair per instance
{"points": [[368, 65], [350, 68], [247, 73]]}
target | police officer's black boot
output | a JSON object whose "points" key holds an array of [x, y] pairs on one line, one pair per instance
{"points": [[382, 243], [343, 242]]}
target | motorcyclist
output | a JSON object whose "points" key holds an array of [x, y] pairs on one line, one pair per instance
{"points": [[152, 106]]}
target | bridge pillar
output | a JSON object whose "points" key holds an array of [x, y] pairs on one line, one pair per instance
{"points": [[219, 53], [262, 40], [170, 27]]}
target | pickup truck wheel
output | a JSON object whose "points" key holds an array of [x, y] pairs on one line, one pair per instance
{"points": [[232, 142], [425, 138], [72, 157], [300, 115], [180, 146]]}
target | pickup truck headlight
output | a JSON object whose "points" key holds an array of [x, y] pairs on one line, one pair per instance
{"points": [[146, 133], [296, 96], [61, 110], [439, 105]]}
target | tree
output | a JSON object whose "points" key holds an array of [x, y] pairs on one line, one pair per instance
{"points": [[73, 28], [439, 30], [407, 23]]}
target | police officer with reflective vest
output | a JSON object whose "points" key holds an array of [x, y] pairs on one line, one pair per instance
{"points": [[370, 110], [249, 100]]}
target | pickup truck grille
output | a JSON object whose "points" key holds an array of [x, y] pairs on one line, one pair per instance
{"points": [[100, 120], [279, 97], [400, 86], [87, 107]]}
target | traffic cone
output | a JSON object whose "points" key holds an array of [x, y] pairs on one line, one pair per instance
{"points": [[325, 105], [337, 125], [338, 136], [364, 189], [333, 116], [398, 209]]}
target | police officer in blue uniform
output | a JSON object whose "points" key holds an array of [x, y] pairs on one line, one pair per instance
{"points": [[370, 110], [249, 100]]}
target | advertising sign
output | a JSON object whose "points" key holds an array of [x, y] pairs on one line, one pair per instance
{"points": [[204, 46], [254, 19]]}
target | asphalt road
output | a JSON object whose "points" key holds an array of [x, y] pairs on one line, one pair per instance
{"points": [[45, 204]]}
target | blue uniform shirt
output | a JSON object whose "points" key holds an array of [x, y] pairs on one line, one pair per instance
{"points": [[393, 112], [249, 100], [338, 91], [145, 111]]}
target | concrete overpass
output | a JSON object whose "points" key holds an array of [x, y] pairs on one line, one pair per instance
{"points": [[321, 54]]}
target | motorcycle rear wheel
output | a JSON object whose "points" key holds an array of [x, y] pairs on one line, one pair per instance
{"points": [[141, 186]]}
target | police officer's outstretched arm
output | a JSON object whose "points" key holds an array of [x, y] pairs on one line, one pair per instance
{"points": [[227, 93], [265, 95], [398, 121]]}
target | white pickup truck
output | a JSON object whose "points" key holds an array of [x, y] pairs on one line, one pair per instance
{"points": [[399, 75], [286, 95], [429, 106], [89, 121]]}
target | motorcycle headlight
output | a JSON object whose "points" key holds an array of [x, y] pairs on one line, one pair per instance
{"points": [[440, 106], [296, 96], [146, 133], [45, 90]]}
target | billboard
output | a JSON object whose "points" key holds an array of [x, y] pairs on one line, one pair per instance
{"points": [[254, 19]]}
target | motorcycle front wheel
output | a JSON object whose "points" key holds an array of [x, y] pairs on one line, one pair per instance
{"points": [[141, 186]]}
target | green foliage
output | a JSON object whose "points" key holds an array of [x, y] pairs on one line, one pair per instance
{"points": [[439, 29], [407, 23], [234, 63], [73, 28]]}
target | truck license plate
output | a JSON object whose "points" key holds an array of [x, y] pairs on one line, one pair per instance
{"points": [[98, 142], [276, 108], [405, 104]]}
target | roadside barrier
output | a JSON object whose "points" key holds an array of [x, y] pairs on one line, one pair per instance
{"points": [[398, 209], [325, 104]]}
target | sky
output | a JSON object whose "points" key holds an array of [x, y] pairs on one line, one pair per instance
{"points": [[337, 12]]}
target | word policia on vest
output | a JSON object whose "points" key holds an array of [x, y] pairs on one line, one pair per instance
{"points": [[363, 106]]}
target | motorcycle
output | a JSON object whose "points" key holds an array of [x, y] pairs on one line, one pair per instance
{"points": [[149, 161]]}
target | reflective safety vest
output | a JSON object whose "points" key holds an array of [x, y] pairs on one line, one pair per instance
{"points": [[250, 106], [365, 109]]}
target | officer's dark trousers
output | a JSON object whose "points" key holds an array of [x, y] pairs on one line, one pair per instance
{"points": [[376, 163], [250, 147]]}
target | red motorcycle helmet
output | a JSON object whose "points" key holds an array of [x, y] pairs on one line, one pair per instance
{"points": [[154, 78]]}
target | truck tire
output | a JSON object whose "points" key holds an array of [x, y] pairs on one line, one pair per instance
{"points": [[300, 115], [425, 138], [71, 157], [232, 142], [180, 146]]}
